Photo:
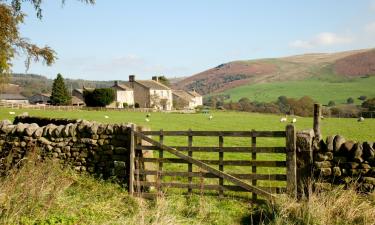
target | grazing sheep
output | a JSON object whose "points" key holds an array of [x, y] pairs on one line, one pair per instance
{"points": [[106, 116], [25, 114], [294, 120], [322, 117], [361, 119], [283, 119], [147, 120], [210, 117], [12, 113]]}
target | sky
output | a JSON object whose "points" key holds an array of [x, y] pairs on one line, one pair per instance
{"points": [[115, 38]]}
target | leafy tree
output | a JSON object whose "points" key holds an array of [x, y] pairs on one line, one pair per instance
{"points": [[350, 100], [164, 80], [331, 103], [369, 104], [11, 42], [60, 95], [99, 97]]}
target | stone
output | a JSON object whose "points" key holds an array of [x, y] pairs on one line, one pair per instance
{"points": [[347, 147], [65, 131], [325, 172], [121, 150], [5, 123], [72, 130], [324, 164], [322, 145], [94, 128], [23, 144], [336, 171], [327, 156], [95, 136], [365, 166], [357, 152], [57, 150], [101, 129], [38, 132], [55, 155], [101, 142], [340, 159], [338, 141], [109, 129], [20, 128], [368, 151], [44, 141], [29, 131], [329, 142], [58, 131]]}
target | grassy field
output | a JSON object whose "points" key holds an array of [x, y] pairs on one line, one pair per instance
{"points": [[320, 90]]}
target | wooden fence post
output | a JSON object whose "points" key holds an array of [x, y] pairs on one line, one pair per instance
{"points": [[317, 116], [291, 161], [190, 166], [131, 160]]}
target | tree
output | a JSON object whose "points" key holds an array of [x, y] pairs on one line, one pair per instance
{"points": [[11, 42], [350, 100], [164, 80], [60, 95], [369, 104], [99, 97], [331, 103]]}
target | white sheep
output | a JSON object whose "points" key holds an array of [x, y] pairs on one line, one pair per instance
{"points": [[12, 113], [283, 119], [147, 119], [294, 120], [361, 119], [210, 117], [106, 116]]}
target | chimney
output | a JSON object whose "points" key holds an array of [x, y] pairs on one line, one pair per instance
{"points": [[116, 83], [131, 78], [155, 78]]}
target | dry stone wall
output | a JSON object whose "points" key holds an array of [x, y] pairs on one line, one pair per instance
{"points": [[99, 149], [338, 161]]}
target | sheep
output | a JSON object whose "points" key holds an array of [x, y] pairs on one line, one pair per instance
{"points": [[12, 113], [283, 119], [294, 120], [361, 119], [210, 117], [147, 119], [106, 116], [25, 114]]}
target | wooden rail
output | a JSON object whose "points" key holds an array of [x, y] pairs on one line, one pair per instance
{"points": [[206, 171]]}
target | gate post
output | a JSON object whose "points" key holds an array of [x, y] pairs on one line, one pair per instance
{"points": [[291, 161], [131, 160], [317, 116]]}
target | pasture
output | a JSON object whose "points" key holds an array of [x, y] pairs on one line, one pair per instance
{"points": [[348, 127]]}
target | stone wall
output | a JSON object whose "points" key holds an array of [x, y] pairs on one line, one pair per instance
{"points": [[99, 149], [338, 161]]}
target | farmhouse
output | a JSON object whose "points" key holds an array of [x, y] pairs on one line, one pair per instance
{"points": [[186, 99], [77, 96], [124, 95], [40, 98], [151, 93]]}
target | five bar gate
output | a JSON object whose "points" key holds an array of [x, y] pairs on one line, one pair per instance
{"points": [[138, 172]]}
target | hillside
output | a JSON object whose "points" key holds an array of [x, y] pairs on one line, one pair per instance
{"points": [[322, 67], [31, 84]]}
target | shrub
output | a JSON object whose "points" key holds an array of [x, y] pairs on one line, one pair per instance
{"points": [[362, 97], [100, 97], [350, 100], [125, 105], [331, 103], [136, 105]]}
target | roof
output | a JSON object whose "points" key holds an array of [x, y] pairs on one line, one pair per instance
{"points": [[12, 97], [43, 94], [194, 93], [182, 94], [76, 100], [81, 90], [123, 86], [151, 84]]}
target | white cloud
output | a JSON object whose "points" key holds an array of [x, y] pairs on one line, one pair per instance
{"points": [[322, 39]]}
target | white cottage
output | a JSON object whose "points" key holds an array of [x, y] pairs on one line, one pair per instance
{"points": [[124, 95]]}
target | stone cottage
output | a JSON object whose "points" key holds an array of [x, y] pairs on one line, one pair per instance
{"points": [[151, 93], [124, 95], [186, 99]]}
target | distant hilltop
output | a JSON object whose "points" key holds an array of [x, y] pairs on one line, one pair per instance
{"points": [[341, 65]]}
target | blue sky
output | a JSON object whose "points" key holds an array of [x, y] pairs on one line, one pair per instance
{"points": [[112, 39]]}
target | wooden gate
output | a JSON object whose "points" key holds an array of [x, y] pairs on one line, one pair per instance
{"points": [[204, 168]]}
